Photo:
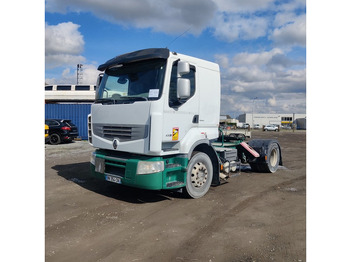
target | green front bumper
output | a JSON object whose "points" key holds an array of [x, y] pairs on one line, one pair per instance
{"points": [[125, 170]]}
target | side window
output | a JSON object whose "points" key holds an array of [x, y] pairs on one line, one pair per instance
{"points": [[82, 88], [173, 100], [64, 88], [51, 123]]}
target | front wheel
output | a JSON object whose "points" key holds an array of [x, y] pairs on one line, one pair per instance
{"points": [[199, 175]]}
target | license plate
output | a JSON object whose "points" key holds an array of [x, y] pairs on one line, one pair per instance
{"points": [[113, 179]]}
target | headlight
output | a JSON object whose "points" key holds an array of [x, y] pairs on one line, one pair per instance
{"points": [[93, 158], [149, 167]]}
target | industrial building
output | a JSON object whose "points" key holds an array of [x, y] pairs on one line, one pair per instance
{"points": [[74, 102], [71, 102], [282, 120], [70, 93]]}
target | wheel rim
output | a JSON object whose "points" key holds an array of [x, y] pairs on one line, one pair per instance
{"points": [[273, 157], [54, 139], [199, 175]]}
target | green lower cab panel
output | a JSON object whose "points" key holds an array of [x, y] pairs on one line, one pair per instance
{"points": [[125, 171]]}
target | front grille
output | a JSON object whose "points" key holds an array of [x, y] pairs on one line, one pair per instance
{"points": [[121, 132], [115, 168]]}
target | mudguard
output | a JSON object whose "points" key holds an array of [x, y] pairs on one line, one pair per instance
{"points": [[264, 147]]}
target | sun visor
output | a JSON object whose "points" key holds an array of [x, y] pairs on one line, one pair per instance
{"points": [[145, 54]]}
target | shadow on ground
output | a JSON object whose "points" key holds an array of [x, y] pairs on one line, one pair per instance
{"points": [[79, 173]]}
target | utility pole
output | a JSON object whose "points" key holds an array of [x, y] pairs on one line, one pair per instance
{"points": [[255, 98], [293, 125], [79, 73]]}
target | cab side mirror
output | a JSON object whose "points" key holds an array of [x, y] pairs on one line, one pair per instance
{"points": [[98, 82], [183, 84], [183, 68], [183, 89]]}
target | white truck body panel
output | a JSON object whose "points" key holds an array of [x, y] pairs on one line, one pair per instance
{"points": [[121, 115], [170, 130]]}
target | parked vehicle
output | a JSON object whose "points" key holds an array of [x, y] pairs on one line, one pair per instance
{"points": [[286, 127], [46, 134], [257, 126], [61, 130], [271, 128], [242, 133], [245, 125], [155, 121]]}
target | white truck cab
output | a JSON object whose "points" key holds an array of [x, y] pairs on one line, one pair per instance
{"points": [[150, 103], [154, 122]]}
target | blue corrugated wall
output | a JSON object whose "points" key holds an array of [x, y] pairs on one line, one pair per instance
{"points": [[76, 112]]}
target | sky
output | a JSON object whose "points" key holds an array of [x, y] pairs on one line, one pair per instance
{"points": [[259, 45]]}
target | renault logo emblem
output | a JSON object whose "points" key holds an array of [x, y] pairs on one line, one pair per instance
{"points": [[115, 143]]}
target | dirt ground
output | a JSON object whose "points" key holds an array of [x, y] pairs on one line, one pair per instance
{"points": [[252, 217]]}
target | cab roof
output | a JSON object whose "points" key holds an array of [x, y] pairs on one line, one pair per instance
{"points": [[144, 54]]}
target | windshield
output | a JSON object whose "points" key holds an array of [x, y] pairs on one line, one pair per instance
{"points": [[132, 82]]}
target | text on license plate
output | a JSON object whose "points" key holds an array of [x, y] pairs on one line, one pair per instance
{"points": [[113, 179]]}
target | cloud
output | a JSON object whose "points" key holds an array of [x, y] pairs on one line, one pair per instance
{"points": [[222, 60], [249, 74], [243, 5], [53, 61], [69, 76], [291, 32], [290, 6], [231, 27], [228, 20], [63, 45], [250, 19], [272, 101], [274, 60], [238, 89], [167, 16], [256, 59], [272, 76]]}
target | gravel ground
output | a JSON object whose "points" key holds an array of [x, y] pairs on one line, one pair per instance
{"points": [[252, 217]]}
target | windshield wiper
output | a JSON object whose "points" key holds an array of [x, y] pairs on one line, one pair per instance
{"points": [[105, 101], [121, 100], [139, 98]]}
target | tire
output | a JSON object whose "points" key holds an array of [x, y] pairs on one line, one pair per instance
{"points": [[55, 139], [199, 175], [272, 161], [273, 157]]}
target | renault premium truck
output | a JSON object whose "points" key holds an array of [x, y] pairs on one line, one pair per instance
{"points": [[155, 125]]}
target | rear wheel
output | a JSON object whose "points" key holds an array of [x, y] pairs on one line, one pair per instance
{"points": [[199, 175], [272, 160], [55, 139]]}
